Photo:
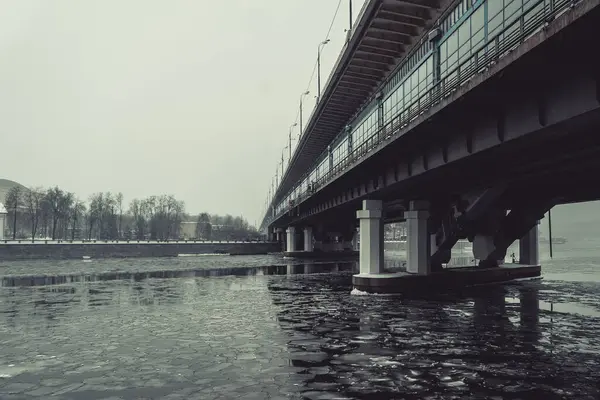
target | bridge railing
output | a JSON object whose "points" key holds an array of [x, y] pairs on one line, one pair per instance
{"points": [[498, 45], [94, 241]]}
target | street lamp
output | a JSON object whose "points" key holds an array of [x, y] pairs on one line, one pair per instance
{"points": [[323, 43], [290, 142], [301, 97], [283, 151], [350, 18]]}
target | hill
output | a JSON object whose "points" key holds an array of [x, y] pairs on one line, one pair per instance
{"points": [[5, 186]]}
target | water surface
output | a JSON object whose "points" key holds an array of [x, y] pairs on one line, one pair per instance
{"points": [[220, 327]]}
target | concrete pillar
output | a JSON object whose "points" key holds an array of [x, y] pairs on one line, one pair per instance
{"points": [[529, 251], [418, 247], [433, 243], [291, 239], [371, 237], [355, 241], [308, 239], [330, 153], [483, 245]]}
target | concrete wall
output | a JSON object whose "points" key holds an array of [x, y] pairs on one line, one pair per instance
{"points": [[57, 251]]}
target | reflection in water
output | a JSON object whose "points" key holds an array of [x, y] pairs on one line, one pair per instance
{"points": [[286, 331], [473, 345], [138, 276]]}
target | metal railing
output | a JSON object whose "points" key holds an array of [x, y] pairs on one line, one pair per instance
{"points": [[528, 23], [94, 241]]}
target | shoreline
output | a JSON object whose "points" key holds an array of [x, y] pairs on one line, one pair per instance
{"points": [[61, 250]]}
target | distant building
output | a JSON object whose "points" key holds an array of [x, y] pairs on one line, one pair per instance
{"points": [[3, 214], [5, 186], [188, 229]]}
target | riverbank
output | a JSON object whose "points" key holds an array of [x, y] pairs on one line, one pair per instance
{"points": [[78, 250]]}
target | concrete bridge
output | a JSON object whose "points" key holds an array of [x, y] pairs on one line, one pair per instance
{"points": [[466, 119]]}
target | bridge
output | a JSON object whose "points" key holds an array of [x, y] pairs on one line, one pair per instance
{"points": [[466, 119]]}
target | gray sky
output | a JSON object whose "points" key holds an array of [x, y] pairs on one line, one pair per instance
{"points": [[192, 98]]}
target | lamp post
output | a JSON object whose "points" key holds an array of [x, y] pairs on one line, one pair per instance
{"points": [[323, 43], [350, 17], [290, 142], [301, 97], [283, 151]]}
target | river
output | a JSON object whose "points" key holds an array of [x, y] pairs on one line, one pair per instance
{"points": [[220, 327]]}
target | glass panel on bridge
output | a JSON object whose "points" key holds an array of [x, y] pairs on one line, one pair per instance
{"points": [[472, 31]]}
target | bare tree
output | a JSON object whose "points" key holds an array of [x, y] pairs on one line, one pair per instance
{"points": [[33, 201], [77, 211], [119, 202], [94, 212], [54, 198], [137, 213], [46, 214], [203, 226], [65, 211], [13, 200]]}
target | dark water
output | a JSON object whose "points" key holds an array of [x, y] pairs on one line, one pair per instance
{"points": [[221, 327]]}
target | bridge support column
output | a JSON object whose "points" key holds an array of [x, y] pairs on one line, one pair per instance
{"points": [[529, 252], [355, 241], [419, 248], [291, 239], [483, 246], [308, 238], [279, 237], [371, 237]]}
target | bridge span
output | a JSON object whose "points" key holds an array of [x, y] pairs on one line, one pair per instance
{"points": [[467, 119]]}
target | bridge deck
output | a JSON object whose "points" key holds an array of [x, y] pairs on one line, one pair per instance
{"points": [[386, 32], [435, 76]]}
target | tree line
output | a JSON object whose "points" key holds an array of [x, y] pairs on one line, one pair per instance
{"points": [[54, 213], [228, 227]]}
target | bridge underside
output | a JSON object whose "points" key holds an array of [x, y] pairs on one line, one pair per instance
{"points": [[533, 125], [385, 33], [485, 165]]}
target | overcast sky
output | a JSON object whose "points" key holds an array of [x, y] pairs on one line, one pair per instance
{"points": [[186, 97]]}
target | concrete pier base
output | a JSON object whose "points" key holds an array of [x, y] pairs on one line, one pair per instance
{"points": [[446, 280]]}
